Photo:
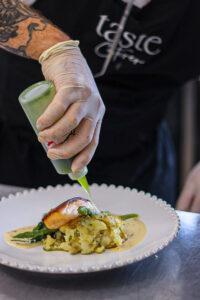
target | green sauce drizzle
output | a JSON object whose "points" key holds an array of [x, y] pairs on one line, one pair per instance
{"points": [[84, 183]]}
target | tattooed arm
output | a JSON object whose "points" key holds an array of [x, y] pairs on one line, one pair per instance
{"points": [[24, 32]]}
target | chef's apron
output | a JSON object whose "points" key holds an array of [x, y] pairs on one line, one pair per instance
{"points": [[152, 60]]}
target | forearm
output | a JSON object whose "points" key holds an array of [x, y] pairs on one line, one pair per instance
{"points": [[25, 32]]}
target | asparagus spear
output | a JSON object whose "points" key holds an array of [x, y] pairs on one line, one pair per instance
{"points": [[129, 216], [34, 233], [39, 226], [37, 234], [83, 210]]}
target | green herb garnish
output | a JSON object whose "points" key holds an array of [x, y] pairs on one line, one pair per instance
{"points": [[84, 211]]}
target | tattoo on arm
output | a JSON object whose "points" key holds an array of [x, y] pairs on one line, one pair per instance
{"points": [[18, 23]]}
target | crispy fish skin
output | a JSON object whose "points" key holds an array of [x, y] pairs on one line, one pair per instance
{"points": [[65, 212]]}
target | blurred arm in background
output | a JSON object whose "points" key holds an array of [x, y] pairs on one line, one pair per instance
{"points": [[189, 198]]}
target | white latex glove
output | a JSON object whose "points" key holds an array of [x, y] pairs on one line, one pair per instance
{"points": [[189, 199], [77, 105]]}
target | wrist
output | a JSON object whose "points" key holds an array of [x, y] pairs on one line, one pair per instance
{"points": [[57, 49], [53, 35]]}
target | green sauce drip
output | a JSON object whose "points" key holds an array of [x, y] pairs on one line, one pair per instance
{"points": [[84, 183]]}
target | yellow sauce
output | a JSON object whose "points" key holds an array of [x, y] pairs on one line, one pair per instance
{"points": [[17, 243], [136, 231], [134, 228]]}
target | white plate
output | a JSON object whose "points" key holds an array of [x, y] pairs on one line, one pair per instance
{"points": [[26, 208]]}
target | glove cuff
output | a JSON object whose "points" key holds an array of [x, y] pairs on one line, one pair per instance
{"points": [[57, 48]]}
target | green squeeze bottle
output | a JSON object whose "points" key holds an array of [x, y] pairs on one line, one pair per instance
{"points": [[34, 100]]}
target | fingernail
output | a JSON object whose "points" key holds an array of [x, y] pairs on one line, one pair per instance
{"points": [[53, 155], [43, 138], [79, 169], [39, 125], [40, 139]]}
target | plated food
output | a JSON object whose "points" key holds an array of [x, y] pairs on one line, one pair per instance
{"points": [[27, 208], [77, 226]]}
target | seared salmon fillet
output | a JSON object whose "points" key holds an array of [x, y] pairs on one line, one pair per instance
{"points": [[65, 212]]}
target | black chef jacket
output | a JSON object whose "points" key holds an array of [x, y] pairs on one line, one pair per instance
{"points": [[159, 50]]}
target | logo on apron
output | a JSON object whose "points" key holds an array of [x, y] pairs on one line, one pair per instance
{"points": [[131, 44]]}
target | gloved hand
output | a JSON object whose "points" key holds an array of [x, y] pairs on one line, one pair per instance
{"points": [[77, 105]]}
